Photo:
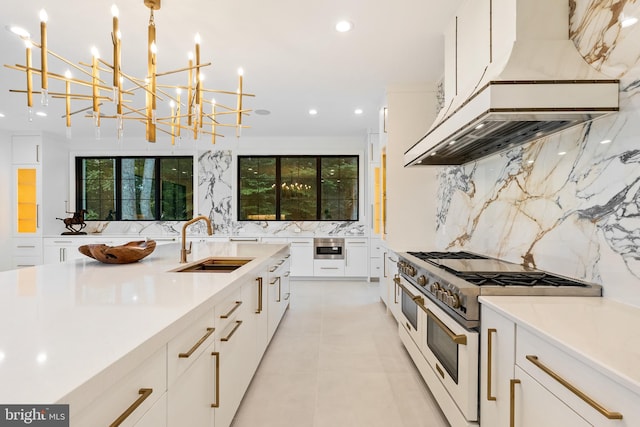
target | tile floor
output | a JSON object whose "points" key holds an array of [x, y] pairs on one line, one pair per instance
{"points": [[336, 361]]}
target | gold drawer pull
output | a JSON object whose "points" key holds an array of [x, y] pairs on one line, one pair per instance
{"points": [[144, 393], [272, 269], [259, 280], [490, 333], [512, 402], [216, 403], [198, 344], [458, 339], [230, 312], [595, 405], [233, 331]]}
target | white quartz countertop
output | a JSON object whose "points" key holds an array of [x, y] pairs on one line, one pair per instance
{"points": [[63, 324], [602, 333]]}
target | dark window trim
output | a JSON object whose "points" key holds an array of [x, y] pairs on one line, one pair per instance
{"points": [[118, 182], [318, 158]]}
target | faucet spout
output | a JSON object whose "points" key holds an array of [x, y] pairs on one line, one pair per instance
{"points": [[184, 251]]}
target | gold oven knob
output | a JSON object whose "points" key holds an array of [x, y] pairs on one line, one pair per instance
{"points": [[422, 281]]}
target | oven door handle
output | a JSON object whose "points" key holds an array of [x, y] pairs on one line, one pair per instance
{"points": [[417, 298], [458, 339]]}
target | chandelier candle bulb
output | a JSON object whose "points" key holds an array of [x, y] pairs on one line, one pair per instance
{"points": [[115, 35], [240, 74], [43, 57], [67, 81], [28, 45]]}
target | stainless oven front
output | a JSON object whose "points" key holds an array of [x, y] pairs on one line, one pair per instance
{"points": [[452, 352], [328, 248]]}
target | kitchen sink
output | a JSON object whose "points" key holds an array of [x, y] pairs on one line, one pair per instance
{"points": [[214, 265]]}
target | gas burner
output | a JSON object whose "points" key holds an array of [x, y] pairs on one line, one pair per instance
{"points": [[518, 279], [425, 256]]}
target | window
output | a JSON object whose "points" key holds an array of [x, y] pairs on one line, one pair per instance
{"points": [[298, 188], [135, 188]]}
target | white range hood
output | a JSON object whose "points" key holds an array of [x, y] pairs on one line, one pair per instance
{"points": [[540, 84]]}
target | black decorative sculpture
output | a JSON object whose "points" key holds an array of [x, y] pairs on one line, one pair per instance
{"points": [[74, 224]]}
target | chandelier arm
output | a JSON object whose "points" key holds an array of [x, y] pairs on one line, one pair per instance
{"points": [[180, 70], [226, 92], [71, 64], [140, 86]]}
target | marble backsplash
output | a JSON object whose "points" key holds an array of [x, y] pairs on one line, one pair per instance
{"points": [[568, 203], [215, 194]]}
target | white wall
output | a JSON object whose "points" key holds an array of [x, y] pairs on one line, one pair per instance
{"points": [[6, 195], [411, 202]]}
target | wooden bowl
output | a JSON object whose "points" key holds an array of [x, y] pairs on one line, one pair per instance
{"points": [[123, 254]]}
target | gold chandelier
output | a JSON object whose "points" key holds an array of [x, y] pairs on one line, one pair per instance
{"points": [[188, 115]]}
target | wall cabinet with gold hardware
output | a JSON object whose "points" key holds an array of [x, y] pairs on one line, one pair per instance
{"points": [[527, 380]]}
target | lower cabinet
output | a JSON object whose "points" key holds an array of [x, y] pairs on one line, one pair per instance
{"points": [[301, 257], [278, 292], [157, 415], [527, 381], [356, 258]]}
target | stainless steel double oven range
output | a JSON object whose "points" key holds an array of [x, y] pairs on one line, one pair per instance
{"points": [[440, 319]]}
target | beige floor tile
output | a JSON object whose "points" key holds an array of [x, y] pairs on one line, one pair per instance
{"points": [[336, 361]]}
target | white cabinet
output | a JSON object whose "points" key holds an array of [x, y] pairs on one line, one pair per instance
{"points": [[130, 397], [375, 260], [526, 377], [301, 257], [393, 290], [278, 291], [27, 251], [535, 406], [497, 361], [356, 259], [328, 267], [26, 149], [62, 249]]}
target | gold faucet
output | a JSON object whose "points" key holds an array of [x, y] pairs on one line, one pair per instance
{"points": [[184, 251]]}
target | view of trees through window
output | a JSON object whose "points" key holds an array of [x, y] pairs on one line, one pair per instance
{"points": [[135, 188], [298, 188]]}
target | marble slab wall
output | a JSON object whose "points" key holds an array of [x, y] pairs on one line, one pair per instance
{"points": [[568, 203]]}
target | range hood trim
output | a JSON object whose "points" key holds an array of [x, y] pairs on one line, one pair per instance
{"points": [[486, 104]]}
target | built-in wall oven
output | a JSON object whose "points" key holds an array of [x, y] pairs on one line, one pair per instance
{"points": [[328, 248]]}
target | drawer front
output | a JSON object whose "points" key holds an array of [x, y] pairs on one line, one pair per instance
{"points": [[25, 247], [26, 261], [138, 390], [228, 312], [328, 267], [185, 348], [568, 378]]}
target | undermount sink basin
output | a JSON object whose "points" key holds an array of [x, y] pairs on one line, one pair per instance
{"points": [[214, 265]]}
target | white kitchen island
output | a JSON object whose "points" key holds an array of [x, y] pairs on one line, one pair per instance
{"points": [[71, 332]]}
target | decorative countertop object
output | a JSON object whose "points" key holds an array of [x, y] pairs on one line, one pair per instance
{"points": [[123, 254]]}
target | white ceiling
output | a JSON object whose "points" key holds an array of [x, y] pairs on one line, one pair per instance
{"points": [[293, 58]]}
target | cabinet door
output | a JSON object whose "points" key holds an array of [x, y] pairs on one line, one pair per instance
{"points": [[25, 149], [497, 361], [255, 293], [356, 261], [302, 257], [157, 415], [535, 406], [192, 395]]}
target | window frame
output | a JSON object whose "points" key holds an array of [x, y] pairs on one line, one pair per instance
{"points": [[157, 193], [278, 185]]}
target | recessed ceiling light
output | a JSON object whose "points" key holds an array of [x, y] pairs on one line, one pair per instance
{"points": [[358, 111], [313, 111], [344, 26], [41, 114], [562, 153], [263, 112], [628, 21], [605, 141], [1, 115]]}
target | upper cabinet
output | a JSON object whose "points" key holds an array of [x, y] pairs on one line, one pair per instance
{"points": [[25, 149]]}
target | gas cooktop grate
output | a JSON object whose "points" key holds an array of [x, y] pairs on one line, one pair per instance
{"points": [[518, 279], [426, 256]]}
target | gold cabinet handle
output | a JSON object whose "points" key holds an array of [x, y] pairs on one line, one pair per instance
{"points": [[272, 269], [216, 403], [396, 281], [230, 312], [418, 299], [198, 344], [144, 394], [287, 296], [458, 339], [259, 280], [490, 333], [233, 331], [512, 402], [595, 405]]}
